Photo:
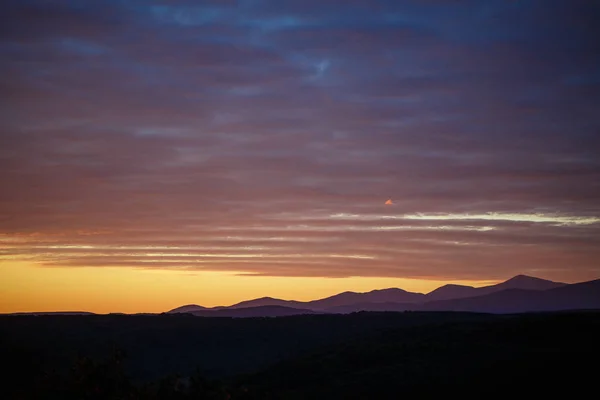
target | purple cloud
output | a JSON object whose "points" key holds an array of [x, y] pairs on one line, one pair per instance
{"points": [[225, 136]]}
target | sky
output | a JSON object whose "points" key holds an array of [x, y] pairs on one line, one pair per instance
{"points": [[157, 153]]}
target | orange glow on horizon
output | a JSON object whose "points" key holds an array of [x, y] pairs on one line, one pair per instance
{"points": [[27, 287]]}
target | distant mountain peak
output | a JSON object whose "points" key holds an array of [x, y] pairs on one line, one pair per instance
{"points": [[521, 281], [265, 301], [187, 308], [522, 277], [529, 278], [454, 285], [450, 291], [378, 299], [389, 290]]}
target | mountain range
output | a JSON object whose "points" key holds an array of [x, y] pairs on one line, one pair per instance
{"points": [[519, 294]]}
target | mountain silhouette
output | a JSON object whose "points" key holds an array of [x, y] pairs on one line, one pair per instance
{"points": [[342, 299], [187, 309], [392, 295], [451, 291], [268, 301], [520, 293], [578, 296], [521, 282], [448, 292]]}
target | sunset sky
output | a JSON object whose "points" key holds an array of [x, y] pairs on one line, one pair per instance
{"points": [[160, 153]]}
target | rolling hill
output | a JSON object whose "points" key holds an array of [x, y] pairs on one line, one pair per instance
{"points": [[448, 292], [578, 296], [190, 308], [519, 294]]}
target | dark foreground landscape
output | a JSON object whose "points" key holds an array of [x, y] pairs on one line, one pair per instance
{"points": [[364, 355]]}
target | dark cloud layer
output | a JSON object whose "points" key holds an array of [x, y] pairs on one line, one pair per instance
{"points": [[265, 136]]}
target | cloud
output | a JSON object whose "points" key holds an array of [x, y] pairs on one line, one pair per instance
{"points": [[225, 125], [535, 218]]}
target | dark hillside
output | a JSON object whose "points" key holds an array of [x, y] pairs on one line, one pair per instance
{"points": [[357, 356]]}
